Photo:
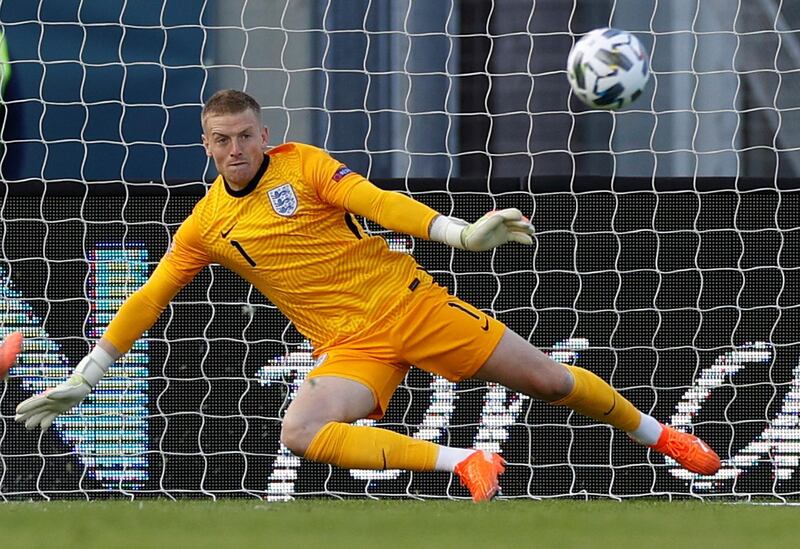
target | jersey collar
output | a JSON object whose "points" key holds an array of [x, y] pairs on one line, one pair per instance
{"points": [[251, 185]]}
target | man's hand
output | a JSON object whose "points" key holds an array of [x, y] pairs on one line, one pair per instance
{"points": [[490, 231], [43, 408], [496, 228]]}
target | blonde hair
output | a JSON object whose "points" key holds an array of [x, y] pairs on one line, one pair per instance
{"points": [[229, 102]]}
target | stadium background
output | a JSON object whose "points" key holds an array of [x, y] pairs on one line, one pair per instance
{"points": [[665, 260]]}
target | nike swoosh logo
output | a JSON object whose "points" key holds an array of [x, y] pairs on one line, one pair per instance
{"points": [[485, 326], [224, 234]]}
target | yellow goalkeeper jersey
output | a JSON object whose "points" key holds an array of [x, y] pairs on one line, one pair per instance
{"points": [[290, 234]]}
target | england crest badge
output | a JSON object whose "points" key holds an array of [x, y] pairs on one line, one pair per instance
{"points": [[283, 200]]}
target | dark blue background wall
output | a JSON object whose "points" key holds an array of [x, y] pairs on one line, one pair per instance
{"points": [[101, 89]]}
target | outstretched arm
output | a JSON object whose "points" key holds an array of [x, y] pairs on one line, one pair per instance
{"points": [[137, 314], [401, 213], [337, 185]]}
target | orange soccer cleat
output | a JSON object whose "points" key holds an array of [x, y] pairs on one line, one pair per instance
{"points": [[692, 453], [479, 474], [9, 350]]}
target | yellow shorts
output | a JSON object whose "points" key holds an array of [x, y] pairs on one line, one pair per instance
{"points": [[436, 332]]}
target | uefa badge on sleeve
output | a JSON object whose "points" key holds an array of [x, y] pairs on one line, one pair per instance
{"points": [[283, 200], [341, 172]]}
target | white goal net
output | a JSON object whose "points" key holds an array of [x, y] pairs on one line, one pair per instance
{"points": [[666, 256]]}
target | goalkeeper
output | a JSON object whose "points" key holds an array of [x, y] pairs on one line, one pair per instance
{"points": [[284, 220]]}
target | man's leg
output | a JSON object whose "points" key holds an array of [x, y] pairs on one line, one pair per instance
{"points": [[317, 426], [518, 365]]}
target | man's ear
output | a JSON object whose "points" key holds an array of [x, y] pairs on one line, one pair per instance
{"points": [[205, 145], [264, 137]]}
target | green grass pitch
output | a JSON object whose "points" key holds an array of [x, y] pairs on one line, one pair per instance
{"points": [[385, 524]]}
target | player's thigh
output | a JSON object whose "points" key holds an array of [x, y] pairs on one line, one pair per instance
{"points": [[326, 398], [447, 336], [520, 366], [320, 401], [380, 375]]}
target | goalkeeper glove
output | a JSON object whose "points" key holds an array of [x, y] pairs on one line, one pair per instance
{"points": [[43, 408], [490, 231]]}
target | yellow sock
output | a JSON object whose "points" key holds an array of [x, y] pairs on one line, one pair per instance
{"points": [[357, 447], [593, 397]]}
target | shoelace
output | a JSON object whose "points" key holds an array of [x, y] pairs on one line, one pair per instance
{"points": [[469, 471], [473, 471], [678, 446]]}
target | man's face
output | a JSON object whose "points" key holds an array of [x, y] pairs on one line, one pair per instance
{"points": [[237, 143]]}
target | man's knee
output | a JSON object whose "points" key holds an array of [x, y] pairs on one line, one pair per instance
{"points": [[548, 382], [297, 433], [555, 384]]}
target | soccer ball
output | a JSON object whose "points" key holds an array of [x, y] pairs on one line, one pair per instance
{"points": [[608, 68]]}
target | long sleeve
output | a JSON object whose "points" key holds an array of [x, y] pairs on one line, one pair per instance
{"points": [[176, 269], [338, 185]]}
